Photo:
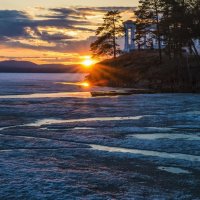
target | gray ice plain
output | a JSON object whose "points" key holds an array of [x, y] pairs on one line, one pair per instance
{"points": [[59, 143]]}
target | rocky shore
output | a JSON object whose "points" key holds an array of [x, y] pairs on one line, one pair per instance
{"points": [[141, 69]]}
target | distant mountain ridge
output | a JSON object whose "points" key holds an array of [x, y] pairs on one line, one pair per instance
{"points": [[13, 66]]}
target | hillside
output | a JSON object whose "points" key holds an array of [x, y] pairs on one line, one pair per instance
{"points": [[141, 69], [13, 66]]}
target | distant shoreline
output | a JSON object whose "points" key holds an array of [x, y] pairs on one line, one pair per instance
{"points": [[13, 66], [43, 72]]}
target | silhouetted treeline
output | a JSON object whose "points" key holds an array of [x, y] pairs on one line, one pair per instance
{"points": [[107, 34], [175, 24]]}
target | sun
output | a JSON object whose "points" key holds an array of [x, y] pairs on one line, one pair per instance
{"points": [[85, 84], [88, 61]]}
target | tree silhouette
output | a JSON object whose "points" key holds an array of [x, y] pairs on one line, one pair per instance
{"points": [[176, 22], [107, 35], [148, 21]]}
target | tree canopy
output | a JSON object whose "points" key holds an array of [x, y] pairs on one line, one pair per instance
{"points": [[107, 35], [148, 22], [177, 23]]}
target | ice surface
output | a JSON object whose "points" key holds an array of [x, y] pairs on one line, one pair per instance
{"points": [[129, 147], [174, 170], [49, 95], [187, 157], [170, 136], [95, 119]]}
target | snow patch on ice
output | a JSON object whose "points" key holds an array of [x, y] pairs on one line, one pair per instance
{"points": [[170, 136], [61, 121], [7, 127], [174, 170], [84, 128], [160, 128], [42, 122], [166, 155]]}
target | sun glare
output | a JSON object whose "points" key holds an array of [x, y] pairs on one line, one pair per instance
{"points": [[85, 84], [88, 61]]}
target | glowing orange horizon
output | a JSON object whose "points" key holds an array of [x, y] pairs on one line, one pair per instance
{"points": [[88, 61], [85, 84]]}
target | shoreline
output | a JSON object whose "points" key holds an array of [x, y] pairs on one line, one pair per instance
{"points": [[146, 90], [141, 69]]}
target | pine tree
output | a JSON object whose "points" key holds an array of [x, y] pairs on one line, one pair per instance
{"points": [[107, 35], [181, 24], [148, 18], [174, 28], [177, 23]]}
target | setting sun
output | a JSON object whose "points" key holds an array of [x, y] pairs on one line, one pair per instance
{"points": [[85, 84], [88, 61]]}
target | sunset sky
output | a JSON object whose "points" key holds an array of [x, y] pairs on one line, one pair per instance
{"points": [[53, 31]]}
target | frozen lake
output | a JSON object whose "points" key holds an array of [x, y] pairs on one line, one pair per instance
{"points": [[57, 142]]}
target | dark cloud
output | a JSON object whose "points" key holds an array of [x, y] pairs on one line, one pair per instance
{"points": [[17, 25], [54, 37], [64, 47], [10, 15], [12, 23], [88, 10], [60, 23], [64, 13], [81, 12]]}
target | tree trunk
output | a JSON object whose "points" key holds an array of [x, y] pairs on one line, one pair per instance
{"points": [[114, 44], [114, 39], [158, 32], [169, 48]]}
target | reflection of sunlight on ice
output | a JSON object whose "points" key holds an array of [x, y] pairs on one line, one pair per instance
{"points": [[172, 136], [83, 84], [180, 156], [49, 95]]}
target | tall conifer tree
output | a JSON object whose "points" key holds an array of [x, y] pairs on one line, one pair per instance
{"points": [[107, 35], [148, 20]]}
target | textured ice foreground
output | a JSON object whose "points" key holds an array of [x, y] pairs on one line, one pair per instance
{"points": [[174, 170], [65, 146], [147, 153], [48, 95], [171, 136], [95, 119]]}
